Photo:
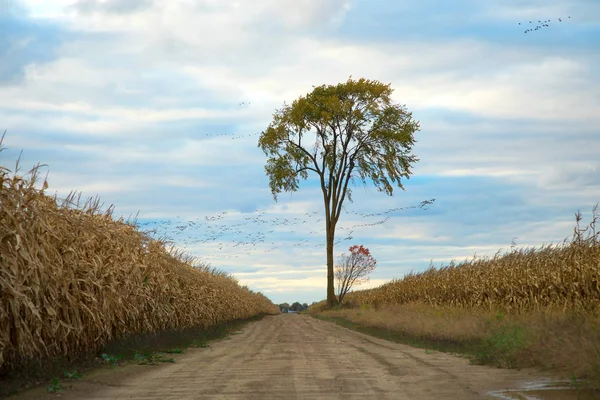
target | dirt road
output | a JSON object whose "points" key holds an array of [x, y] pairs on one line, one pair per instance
{"points": [[292, 356]]}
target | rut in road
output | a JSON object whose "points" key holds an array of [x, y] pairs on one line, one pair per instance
{"points": [[291, 356]]}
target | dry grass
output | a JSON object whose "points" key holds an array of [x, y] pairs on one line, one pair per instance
{"points": [[72, 278]]}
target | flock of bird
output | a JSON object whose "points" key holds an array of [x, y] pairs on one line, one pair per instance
{"points": [[229, 235], [540, 24], [233, 135]]}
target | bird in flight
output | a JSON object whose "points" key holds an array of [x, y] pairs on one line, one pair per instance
{"points": [[541, 24]]}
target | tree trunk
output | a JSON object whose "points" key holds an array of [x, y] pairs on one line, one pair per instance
{"points": [[331, 299]]}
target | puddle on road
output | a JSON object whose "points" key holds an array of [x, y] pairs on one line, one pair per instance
{"points": [[545, 391]]}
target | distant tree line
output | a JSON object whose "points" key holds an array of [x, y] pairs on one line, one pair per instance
{"points": [[296, 307]]}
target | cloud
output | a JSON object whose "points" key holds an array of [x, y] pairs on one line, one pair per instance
{"points": [[110, 6], [156, 107], [23, 42]]}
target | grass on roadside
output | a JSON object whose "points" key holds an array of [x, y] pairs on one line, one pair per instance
{"points": [[562, 342]]}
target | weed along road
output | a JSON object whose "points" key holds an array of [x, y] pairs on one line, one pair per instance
{"points": [[291, 356]]}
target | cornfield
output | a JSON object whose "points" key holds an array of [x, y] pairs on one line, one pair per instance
{"points": [[72, 278], [564, 276]]}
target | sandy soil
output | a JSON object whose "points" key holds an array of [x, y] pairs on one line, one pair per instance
{"points": [[293, 356]]}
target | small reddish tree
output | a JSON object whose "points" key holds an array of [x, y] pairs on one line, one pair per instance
{"points": [[353, 269]]}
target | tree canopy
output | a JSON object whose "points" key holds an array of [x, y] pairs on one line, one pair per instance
{"points": [[358, 132]]}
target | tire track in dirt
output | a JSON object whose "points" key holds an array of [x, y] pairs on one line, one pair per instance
{"points": [[292, 356], [472, 379], [408, 370]]}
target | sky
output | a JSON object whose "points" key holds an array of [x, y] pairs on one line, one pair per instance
{"points": [[156, 107]]}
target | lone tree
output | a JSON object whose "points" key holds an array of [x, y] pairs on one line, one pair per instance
{"points": [[355, 131], [353, 269]]}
